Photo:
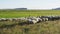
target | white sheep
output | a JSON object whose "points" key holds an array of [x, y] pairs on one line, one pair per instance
{"points": [[45, 19]]}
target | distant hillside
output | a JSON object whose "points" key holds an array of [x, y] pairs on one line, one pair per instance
{"points": [[21, 8], [15, 9], [56, 9]]}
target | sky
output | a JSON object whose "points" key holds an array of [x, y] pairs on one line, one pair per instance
{"points": [[30, 4]]}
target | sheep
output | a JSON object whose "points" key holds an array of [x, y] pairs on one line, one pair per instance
{"points": [[9, 19], [45, 19], [38, 20], [34, 21], [14, 19], [52, 18], [22, 18], [56, 18], [29, 21], [3, 19]]}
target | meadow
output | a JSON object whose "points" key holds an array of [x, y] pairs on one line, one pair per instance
{"points": [[48, 27], [27, 13]]}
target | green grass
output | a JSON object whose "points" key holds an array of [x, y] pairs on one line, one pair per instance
{"points": [[48, 27], [26, 13]]}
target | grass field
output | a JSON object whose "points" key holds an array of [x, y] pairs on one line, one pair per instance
{"points": [[48, 27], [26, 13]]}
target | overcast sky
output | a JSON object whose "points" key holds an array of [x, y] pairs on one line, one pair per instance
{"points": [[30, 4]]}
